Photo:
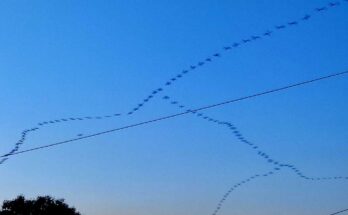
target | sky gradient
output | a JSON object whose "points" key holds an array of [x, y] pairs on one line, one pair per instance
{"points": [[62, 59]]}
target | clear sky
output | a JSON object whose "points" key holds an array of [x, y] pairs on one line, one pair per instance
{"points": [[62, 59]]}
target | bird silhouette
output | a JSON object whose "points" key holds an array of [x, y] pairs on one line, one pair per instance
{"points": [[268, 33], [306, 17], [235, 44], [293, 23], [333, 4], [255, 37], [280, 26], [319, 9]]}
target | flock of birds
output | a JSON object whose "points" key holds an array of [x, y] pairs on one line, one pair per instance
{"points": [[242, 139], [277, 165]]}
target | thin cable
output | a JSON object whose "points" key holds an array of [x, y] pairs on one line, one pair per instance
{"points": [[339, 212], [193, 67], [179, 114], [242, 139]]}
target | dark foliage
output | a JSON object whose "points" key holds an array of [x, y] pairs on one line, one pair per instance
{"points": [[42, 205]]}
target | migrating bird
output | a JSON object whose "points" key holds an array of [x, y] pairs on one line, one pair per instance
{"points": [[184, 71], [208, 59], [280, 26], [246, 40], [216, 55], [168, 83], [333, 4], [165, 97], [200, 63], [306, 17], [235, 44], [268, 33], [227, 47], [320, 9], [192, 67], [255, 37], [293, 23]]}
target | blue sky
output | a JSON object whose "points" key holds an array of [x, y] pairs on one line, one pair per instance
{"points": [[63, 59]]}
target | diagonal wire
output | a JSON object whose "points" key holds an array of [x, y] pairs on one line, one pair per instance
{"points": [[241, 138], [255, 37], [339, 212], [5, 156]]}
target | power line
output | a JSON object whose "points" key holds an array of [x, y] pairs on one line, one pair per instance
{"points": [[179, 114], [339, 212], [255, 37], [242, 139]]}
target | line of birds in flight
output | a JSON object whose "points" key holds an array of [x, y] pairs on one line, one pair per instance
{"points": [[242, 139], [172, 80], [232, 127]]}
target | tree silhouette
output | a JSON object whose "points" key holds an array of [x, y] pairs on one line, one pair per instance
{"points": [[42, 205]]}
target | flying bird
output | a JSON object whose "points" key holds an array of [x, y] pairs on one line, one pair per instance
{"points": [[320, 9], [235, 44], [268, 33], [255, 37], [216, 55], [306, 17], [280, 26], [227, 47], [293, 23], [333, 4]]}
